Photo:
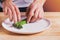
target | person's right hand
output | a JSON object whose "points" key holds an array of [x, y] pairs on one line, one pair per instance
{"points": [[10, 9]]}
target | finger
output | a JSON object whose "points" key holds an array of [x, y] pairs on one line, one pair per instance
{"points": [[14, 16], [18, 13], [34, 18], [14, 13], [5, 10], [31, 13], [10, 14], [29, 18], [41, 13]]}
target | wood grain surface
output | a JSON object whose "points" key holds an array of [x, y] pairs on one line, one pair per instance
{"points": [[53, 33]]}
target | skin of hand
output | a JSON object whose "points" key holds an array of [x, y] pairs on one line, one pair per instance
{"points": [[10, 9], [35, 11]]}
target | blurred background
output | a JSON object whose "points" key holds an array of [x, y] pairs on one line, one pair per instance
{"points": [[52, 6]]}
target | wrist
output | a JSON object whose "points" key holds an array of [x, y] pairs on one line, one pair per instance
{"points": [[40, 0], [5, 1]]}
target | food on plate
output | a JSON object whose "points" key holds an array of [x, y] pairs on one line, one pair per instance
{"points": [[19, 24]]}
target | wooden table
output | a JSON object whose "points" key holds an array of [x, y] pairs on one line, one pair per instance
{"points": [[53, 33]]}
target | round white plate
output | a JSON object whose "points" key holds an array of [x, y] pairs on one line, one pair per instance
{"points": [[30, 28]]}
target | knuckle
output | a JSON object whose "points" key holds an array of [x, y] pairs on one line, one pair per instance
{"points": [[30, 14], [40, 16], [32, 6], [35, 16], [13, 8]]}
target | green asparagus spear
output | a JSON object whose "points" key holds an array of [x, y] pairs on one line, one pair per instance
{"points": [[19, 24]]}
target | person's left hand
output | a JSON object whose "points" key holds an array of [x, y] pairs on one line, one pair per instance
{"points": [[35, 11]]}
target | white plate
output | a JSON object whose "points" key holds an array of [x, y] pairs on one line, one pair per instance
{"points": [[30, 28]]}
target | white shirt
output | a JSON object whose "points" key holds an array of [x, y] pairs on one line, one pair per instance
{"points": [[22, 3]]}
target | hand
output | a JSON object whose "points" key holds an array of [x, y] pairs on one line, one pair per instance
{"points": [[10, 9], [35, 11]]}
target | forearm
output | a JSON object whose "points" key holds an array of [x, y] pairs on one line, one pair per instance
{"points": [[40, 0]]}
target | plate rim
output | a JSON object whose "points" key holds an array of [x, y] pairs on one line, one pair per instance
{"points": [[30, 32]]}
